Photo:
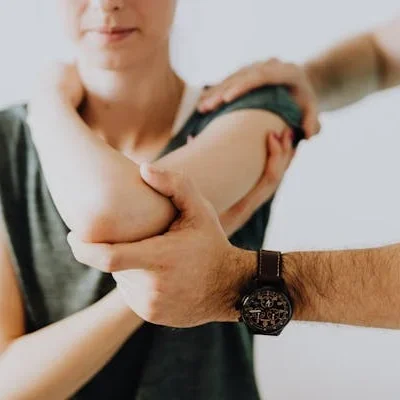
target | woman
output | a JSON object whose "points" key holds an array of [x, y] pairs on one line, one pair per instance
{"points": [[71, 329]]}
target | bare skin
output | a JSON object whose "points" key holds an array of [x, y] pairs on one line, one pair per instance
{"points": [[194, 262], [96, 184]]}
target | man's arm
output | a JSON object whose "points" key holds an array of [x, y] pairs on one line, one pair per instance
{"points": [[340, 76], [192, 275], [355, 287], [357, 67]]}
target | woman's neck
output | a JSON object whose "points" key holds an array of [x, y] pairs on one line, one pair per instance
{"points": [[132, 107]]}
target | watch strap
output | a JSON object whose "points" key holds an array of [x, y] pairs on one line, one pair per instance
{"points": [[269, 267]]}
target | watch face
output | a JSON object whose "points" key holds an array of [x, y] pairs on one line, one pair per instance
{"points": [[266, 310]]}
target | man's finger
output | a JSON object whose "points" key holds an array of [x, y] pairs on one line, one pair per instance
{"points": [[183, 194], [117, 257], [311, 124], [241, 88], [212, 102], [213, 96]]}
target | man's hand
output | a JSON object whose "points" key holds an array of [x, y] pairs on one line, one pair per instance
{"points": [[280, 153], [189, 276], [272, 72]]}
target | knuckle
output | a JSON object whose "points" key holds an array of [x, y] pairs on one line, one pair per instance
{"points": [[259, 64], [252, 66], [294, 69], [273, 60], [272, 66]]}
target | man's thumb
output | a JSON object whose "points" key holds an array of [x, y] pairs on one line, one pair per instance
{"points": [[174, 185]]}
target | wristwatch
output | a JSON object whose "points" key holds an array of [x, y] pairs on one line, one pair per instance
{"points": [[266, 307]]}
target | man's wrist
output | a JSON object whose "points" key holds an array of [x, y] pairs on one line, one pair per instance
{"points": [[297, 273], [242, 267]]}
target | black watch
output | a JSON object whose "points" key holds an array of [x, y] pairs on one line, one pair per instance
{"points": [[266, 307]]}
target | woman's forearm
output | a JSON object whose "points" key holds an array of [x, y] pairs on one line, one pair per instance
{"points": [[57, 361], [96, 189], [99, 192]]}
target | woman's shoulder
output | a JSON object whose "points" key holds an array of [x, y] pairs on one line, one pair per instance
{"points": [[13, 126], [275, 99], [12, 114], [15, 149]]}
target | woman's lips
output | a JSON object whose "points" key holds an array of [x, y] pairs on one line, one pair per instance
{"points": [[106, 35]]}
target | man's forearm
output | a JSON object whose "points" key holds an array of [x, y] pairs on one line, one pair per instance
{"points": [[58, 360], [357, 67], [356, 287], [347, 72]]}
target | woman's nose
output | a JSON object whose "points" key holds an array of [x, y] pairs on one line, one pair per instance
{"points": [[109, 5]]}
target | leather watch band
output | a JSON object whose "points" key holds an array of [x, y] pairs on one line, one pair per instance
{"points": [[269, 266]]}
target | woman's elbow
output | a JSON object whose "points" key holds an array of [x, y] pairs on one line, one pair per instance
{"points": [[95, 228], [116, 224]]}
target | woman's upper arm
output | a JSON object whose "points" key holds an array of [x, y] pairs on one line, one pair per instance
{"points": [[12, 323], [228, 158]]}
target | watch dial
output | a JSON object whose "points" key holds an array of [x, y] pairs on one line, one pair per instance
{"points": [[266, 310]]}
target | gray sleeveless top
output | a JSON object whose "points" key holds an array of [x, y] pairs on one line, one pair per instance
{"points": [[211, 362]]}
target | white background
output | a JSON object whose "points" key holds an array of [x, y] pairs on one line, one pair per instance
{"points": [[341, 192]]}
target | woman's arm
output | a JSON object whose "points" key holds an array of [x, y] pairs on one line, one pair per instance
{"points": [[56, 361], [99, 192]]}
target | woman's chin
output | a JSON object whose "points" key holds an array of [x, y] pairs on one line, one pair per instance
{"points": [[109, 61], [131, 55]]}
